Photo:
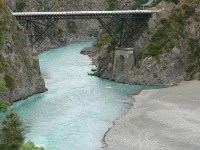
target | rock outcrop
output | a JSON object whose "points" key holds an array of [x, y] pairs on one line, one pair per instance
{"points": [[20, 74]]}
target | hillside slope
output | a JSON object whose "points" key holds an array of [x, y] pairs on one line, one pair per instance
{"points": [[167, 52]]}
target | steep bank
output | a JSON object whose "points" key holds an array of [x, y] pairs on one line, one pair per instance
{"points": [[166, 52], [160, 119], [20, 74]]}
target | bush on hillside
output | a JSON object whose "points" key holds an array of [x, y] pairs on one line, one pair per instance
{"points": [[20, 6], [166, 37], [1, 5], [11, 132], [30, 146], [12, 136], [105, 39], [4, 105], [10, 81]]}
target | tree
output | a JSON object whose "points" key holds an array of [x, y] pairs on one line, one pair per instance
{"points": [[30, 146], [11, 132], [4, 105]]}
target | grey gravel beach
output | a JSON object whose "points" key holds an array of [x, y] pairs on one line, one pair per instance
{"points": [[161, 119]]}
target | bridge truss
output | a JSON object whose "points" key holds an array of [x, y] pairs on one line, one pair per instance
{"points": [[123, 25]]}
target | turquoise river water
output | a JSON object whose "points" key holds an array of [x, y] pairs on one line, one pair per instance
{"points": [[77, 109]]}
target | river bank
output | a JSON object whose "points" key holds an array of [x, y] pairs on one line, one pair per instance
{"points": [[160, 119]]}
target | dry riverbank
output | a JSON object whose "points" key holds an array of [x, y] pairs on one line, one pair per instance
{"points": [[161, 119]]}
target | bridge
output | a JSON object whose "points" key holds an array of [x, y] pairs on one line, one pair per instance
{"points": [[127, 20]]}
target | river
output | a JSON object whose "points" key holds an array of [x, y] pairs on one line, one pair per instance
{"points": [[77, 109]]}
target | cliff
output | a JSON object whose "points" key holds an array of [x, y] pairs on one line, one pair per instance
{"points": [[20, 74], [166, 52]]}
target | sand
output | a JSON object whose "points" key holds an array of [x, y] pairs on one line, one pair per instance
{"points": [[161, 119]]}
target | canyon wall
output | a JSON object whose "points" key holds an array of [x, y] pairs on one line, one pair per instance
{"points": [[20, 74]]}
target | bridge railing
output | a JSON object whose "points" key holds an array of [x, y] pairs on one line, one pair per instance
{"points": [[83, 14]]}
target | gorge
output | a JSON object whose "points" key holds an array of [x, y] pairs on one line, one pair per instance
{"points": [[77, 108], [166, 52]]}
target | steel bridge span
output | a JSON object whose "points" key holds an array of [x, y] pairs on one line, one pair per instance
{"points": [[126, 19]]}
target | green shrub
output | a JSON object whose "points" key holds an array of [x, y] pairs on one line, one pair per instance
{"points": [[3, 63], [193, 44], [189, 11], [165, 22], [71, 27], [11, 132], [173, 1], [105, 39], [4, 105], [152, 50], [30, 146], [139, 3], [166, 37], [191, 68], [194, 57], [112, 4], [1, 5], [10, 81], [163, 40], [11, 135], [2, 85], [2, 30], [20, 6]]}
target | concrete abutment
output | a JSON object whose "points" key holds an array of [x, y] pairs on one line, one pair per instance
{"points": [[124, 59]]}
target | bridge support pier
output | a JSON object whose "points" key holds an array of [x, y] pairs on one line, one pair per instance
{"points": [[124, 59]]}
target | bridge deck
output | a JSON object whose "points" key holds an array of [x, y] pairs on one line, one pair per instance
{"points": [[83, 14]]}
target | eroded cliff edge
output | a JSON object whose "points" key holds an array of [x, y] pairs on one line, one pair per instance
{"points": [[20, 74]]}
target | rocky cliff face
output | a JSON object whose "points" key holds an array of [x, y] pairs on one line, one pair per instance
{"points": [[167, 52], [19, 66]]}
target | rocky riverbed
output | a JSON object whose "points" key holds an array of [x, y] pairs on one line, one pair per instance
{"points": [[161, 119]]}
